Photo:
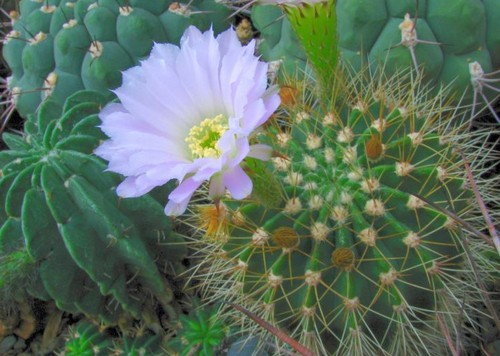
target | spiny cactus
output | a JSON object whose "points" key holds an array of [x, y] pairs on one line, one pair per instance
{"points": [[17, 269], [59, 47], [96, 254], [451, 40], [278, 41], [455, 43], [348, 239], [87, 340], [202, 332]]}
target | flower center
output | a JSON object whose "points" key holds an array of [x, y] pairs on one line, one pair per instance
{"points": [[203, 138]]}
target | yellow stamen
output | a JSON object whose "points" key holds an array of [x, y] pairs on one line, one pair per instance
{"points": [[203, 139]]}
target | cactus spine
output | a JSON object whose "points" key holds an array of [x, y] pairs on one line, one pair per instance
{"points": [[347, 240], [453, 43]]}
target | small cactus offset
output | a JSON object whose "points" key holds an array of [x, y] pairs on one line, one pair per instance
{"points": [[86, 339], [95, 253], [349, 240], [59, 47], [202, 332]]}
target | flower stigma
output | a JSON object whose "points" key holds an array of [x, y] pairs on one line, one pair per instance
{"points": [[203, 139]]}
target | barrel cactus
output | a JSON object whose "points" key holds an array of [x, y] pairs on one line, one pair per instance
{"points": [[95, 253], [59, 47], [455, 43], [349, 240]]}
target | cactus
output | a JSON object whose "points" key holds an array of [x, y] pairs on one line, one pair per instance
{"points": [[17, 270], [86, 339], [208, 330], [278, 41], [348, 239], [59, 47], [446, 39], [95, 254], [202, 331], [456, 43]]}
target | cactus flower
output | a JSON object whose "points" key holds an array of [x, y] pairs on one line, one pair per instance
{"points": [[187, 113]]}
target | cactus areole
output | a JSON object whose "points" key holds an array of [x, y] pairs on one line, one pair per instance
{"points": [[344, 239]]}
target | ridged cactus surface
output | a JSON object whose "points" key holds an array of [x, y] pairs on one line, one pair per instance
{"points": [[345, 241], [59, 47], [96, 254], [278, 41], [451, 41], [447, 37]]}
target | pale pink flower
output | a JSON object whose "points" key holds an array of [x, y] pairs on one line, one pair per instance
{"points": [[187, 114]]}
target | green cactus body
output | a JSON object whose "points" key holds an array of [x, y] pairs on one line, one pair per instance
{"points": [[59, 47], [95, 253], [316, 27], [202, 332], [448, 36], [278, 41], [446, 39], [87, 340], [346, 250]]}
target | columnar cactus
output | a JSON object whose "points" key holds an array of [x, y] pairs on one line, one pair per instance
{"points": [[59, 47], [348, 239], [96, 254]]}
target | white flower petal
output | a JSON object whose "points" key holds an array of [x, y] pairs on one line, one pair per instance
{"points": [[170, 93], [237, 182], [261, 151]]}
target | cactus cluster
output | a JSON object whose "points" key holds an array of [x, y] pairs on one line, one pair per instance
{"points": [[95, 253], [59, 47], [86, 339], [348, 240], [453, 42]]}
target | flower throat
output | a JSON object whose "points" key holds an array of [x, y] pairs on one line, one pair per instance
{"points": [[202, 139]]}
